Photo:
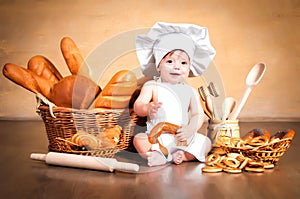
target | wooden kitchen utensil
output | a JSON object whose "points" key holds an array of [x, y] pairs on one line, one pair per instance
{"points": [[86, 162], [253, 78]]}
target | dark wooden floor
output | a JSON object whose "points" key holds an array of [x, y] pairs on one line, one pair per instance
{"points": [[22, 177]]}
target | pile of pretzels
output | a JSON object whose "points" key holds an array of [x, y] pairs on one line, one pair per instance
{"points": [[232, 156]]}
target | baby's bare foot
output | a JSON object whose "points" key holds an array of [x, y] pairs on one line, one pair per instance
{"points": [[178, 157], [155, 158]]}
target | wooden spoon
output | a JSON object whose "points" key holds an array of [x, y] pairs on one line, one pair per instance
{"points": [[227, 107], [253, 78]]}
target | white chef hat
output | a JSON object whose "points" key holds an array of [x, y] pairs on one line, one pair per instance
{"points": [[166, 37]]}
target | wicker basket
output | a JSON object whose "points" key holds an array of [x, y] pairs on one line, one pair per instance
{"points": [[62, 123], [270, 152]]}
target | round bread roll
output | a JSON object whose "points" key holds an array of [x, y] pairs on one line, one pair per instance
{"points": [[111, 135], [74, 91], [86, 140]]}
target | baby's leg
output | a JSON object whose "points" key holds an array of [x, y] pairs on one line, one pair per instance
{"points": [[143, 147], [180, 156], [155, 158], [141, 144]]}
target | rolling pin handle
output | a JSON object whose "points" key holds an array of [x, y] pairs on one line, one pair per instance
{"points": [[38, 156]]}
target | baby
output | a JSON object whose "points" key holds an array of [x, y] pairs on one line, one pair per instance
{"points": [[168, 53]]}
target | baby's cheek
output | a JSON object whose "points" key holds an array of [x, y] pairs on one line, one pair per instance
{"points": [[186, 72]]}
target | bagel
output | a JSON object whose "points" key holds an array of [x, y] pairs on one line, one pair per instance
{"points": [[233, 155], [211, 169], [257, 137], [268, 165], [212, 159], [158, 129], [255, 164], [289, 133], [255, 167], [231, 162], [244, 163], [232, 170], [258, 141]]}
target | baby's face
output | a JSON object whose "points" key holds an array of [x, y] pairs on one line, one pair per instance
{"points": [[174, 67]]}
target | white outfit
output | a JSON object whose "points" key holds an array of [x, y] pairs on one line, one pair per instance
{"points": [[175, 100], [151, 48]]}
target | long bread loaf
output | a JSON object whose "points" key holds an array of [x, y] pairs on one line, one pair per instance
{"points": [[28, 79], [118, 91], [73, 57], [41, 66]]}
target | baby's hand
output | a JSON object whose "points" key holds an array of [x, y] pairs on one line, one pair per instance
{"points": [[153, 108], [184, 133]]}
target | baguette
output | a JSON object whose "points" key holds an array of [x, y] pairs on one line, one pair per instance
{"points": [[21, 76], [28, 79], [45, 85], [41, 66], [73, 57], [118, 91], [112, 102], [74, 91]]}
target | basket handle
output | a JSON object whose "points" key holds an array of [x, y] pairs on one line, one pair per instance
{"points": [[40, 98]]}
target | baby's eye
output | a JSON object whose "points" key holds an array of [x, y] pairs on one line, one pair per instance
{"points": [[169, 61], [184, 63]]}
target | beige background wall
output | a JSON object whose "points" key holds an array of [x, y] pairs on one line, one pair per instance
{"points": [[242, 32]]}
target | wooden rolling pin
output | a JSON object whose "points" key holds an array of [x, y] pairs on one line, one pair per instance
{"points": [[85, 162]]}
